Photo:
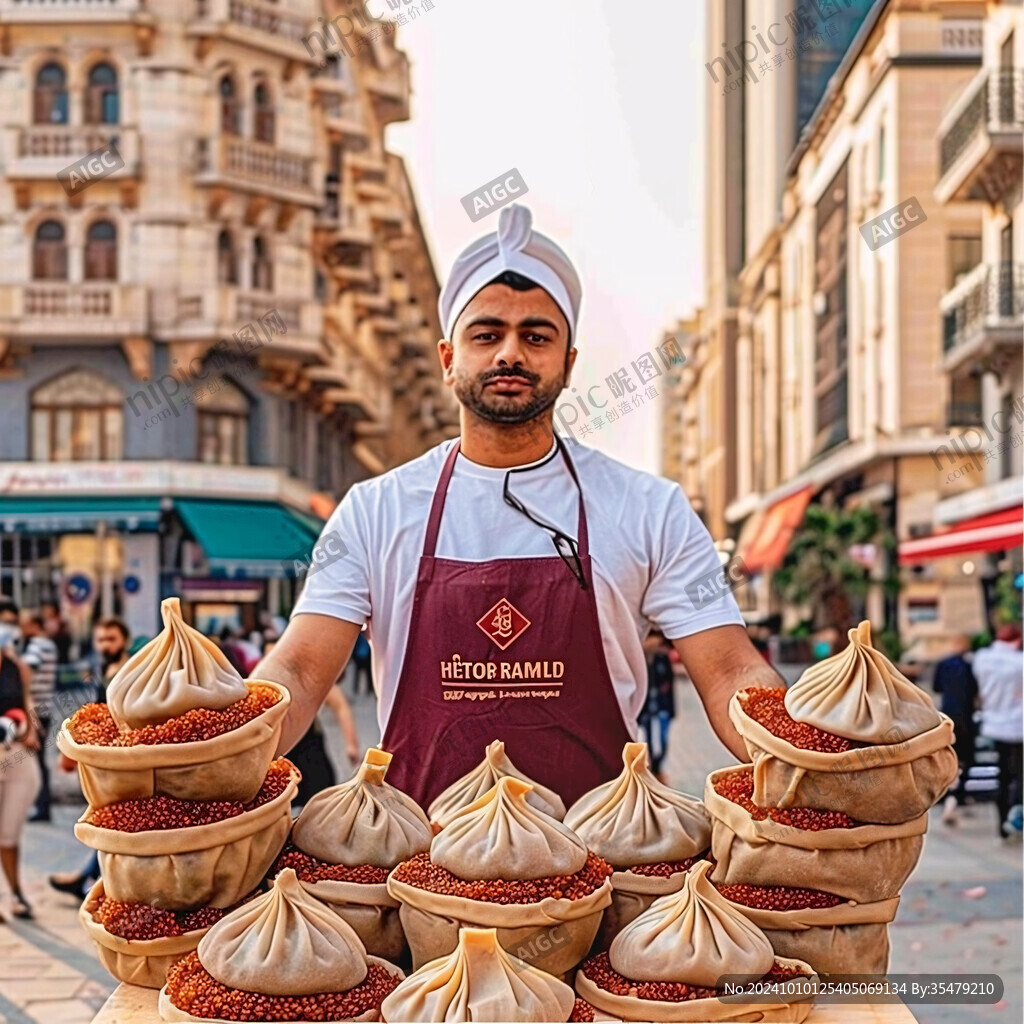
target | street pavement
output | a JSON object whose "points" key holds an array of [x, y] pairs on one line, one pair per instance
{"points": [[960, 911]]}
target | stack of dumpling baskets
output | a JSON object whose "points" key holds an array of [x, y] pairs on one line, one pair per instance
{"points": [[815, 838]]}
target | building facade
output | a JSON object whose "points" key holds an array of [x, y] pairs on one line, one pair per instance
{"points": [[200, 349], [856, 328]]}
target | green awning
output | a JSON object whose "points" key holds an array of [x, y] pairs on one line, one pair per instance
{"points": [[261, 539], [69, 515]]}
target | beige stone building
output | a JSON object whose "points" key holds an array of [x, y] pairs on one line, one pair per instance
{"points": [[230, 320], [838, 384]]}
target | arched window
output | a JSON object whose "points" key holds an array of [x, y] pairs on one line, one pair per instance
{"points": [[264, 125], [50, 101], [102, 99], [78, 416], [262, 278], [50, 252], [223, 423], [227, 266], [101, 252], [230, 108]]}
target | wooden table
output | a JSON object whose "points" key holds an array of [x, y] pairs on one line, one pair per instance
{"points": [[133, 1005]]}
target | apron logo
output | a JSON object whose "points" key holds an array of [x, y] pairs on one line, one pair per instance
{"points": [[504, 623]]}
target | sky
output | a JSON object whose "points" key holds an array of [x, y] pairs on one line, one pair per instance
{"points": [[600, 108]]}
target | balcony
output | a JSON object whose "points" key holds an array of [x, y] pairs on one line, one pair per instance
{"points": [[343, 115], [213, 313], [389, 88], [276, 28], [983, 312], [39, 151], [68, 11], [63, 311], [230, 161], [980, 139]]}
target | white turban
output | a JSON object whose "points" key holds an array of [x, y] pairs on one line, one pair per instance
{"points": [[514, 246]]}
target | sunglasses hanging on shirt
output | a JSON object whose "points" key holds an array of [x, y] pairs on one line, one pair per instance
{"points": [[567, 548]]}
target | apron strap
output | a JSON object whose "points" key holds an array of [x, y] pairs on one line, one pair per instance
{"points": [[441, 491]]}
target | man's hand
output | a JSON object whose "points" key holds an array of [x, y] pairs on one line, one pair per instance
{"points": [[307, 661], [721, 661]]}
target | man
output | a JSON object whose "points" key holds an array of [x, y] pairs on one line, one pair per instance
{"points": [[955, 682], [40, 655], [507, 586], [110, 640], [999, 669]]}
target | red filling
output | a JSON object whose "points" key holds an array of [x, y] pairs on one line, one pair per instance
{"points": [[665, 868], [165, 812], [582, 1011], [779, 897], [139, 921], [600, 972], [93, 723], [195, 991], [767, 707], [309, 869], [738, 786], [420, 872]]}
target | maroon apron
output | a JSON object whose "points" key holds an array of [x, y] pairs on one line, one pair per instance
{"points": [[507, 649]]}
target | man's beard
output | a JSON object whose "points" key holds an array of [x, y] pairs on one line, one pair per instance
{"points": [[109, 657], [473, 393]]}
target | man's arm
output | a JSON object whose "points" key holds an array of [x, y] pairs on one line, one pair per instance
{"points": [[721, 661], [307, 661]]}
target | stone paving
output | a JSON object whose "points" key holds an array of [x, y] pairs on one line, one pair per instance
{"points": [[961, 910]]}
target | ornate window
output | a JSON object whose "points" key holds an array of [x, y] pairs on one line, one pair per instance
{"points": [[262, 274], [102, 99], [50, 99], [230, 108], [78, 416], [223, 423], [227, 266], [101, 252], [50, 252], [264, 125]]}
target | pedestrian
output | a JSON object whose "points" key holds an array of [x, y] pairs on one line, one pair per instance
{"points": [[111, 642], [955, 683], [19, 771], [660, 704], [57, 631], [41, 656], [362, 658], [999, 669], [506, 584]]}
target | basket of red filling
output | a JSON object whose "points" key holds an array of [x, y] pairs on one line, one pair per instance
{"points": [[852, 734], [179, 721], [180, 854], [650, 834], [346, 841], [503, 864], [137, 942], [283, 956], [674, 962], [801, 846]]}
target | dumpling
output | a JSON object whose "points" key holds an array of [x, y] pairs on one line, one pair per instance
{"points": [[500, 836], [495, 765], [177, 671], [363, 821], [479, 981]]}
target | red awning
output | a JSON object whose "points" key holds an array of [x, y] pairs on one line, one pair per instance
{"points": [[774, 530], [996, 531]]}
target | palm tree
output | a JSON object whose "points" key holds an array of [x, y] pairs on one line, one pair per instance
{"points": [[818, 570]]}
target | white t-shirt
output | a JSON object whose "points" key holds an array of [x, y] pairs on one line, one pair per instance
{"points": [[647, 548], [999, 670]]}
